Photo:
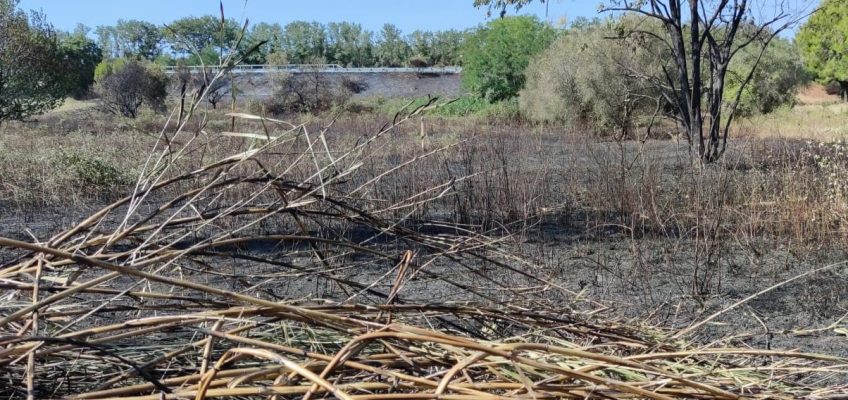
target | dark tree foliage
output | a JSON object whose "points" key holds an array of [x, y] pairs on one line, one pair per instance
{"points": [[390, 49], [80, 56], [271, 35], [31, 68], [349, 44], [197, 34], [202, 40], [304, 42]]}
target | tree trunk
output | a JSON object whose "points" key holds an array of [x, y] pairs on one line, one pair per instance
{"points": [[843, 90], [696, 129]]}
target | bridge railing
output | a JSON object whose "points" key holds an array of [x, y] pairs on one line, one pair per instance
{"points": [[319, 68]]}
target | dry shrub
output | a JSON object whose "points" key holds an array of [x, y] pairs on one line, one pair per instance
{"points": [[309, 91], [131, 84]]}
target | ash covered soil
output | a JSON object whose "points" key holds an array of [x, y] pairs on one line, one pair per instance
{"points": [[647, 280]]}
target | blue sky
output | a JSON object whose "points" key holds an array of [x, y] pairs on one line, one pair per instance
{"points": [[409, 15]]}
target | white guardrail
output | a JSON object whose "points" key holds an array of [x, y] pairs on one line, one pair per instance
{"points": [[315, 68]]}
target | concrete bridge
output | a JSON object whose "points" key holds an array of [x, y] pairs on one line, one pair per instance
{"points": [[317, 68]]}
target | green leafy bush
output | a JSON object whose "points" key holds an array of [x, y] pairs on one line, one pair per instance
{"points": [[31, 69], [775, 82], [92, 170], [587, 78], [81, 56], [495, 57]]}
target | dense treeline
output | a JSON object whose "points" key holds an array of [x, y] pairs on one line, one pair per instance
{"points": [[580, 73], [193, 40]]}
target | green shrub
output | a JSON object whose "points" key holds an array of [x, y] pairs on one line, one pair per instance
{"points": [[93, 171], [586, 78], [495, 57], [32, 72], [475, 106], [418, 62], [108, 67], [81, 56], [775, 82]]}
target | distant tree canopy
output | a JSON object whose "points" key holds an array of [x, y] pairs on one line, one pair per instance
{"points": [[195, 40], [823, 41], [391, 49], [495, 57], [349, 44], [130, 39], [201, 34], [31, 68], [272, 35]]}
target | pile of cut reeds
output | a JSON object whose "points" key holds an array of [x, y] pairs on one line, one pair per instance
{"points": [[271, 272]]}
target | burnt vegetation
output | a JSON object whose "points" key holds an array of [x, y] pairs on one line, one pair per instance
{"points": [[634, 207]]}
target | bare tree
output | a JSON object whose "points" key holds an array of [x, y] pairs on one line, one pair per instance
{"points": [[218, 90], [702, 37], [310, 91]]}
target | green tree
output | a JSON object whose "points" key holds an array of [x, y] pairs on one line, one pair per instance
{"points": [[304, 42], [823, 41], [131, 39], [81, 56], [502, 5], [390, 49], [271, 34], [193, 35], [420, 42], [349, 44], [31, 67], [703, 39], [495, 57], [446, 47]]}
